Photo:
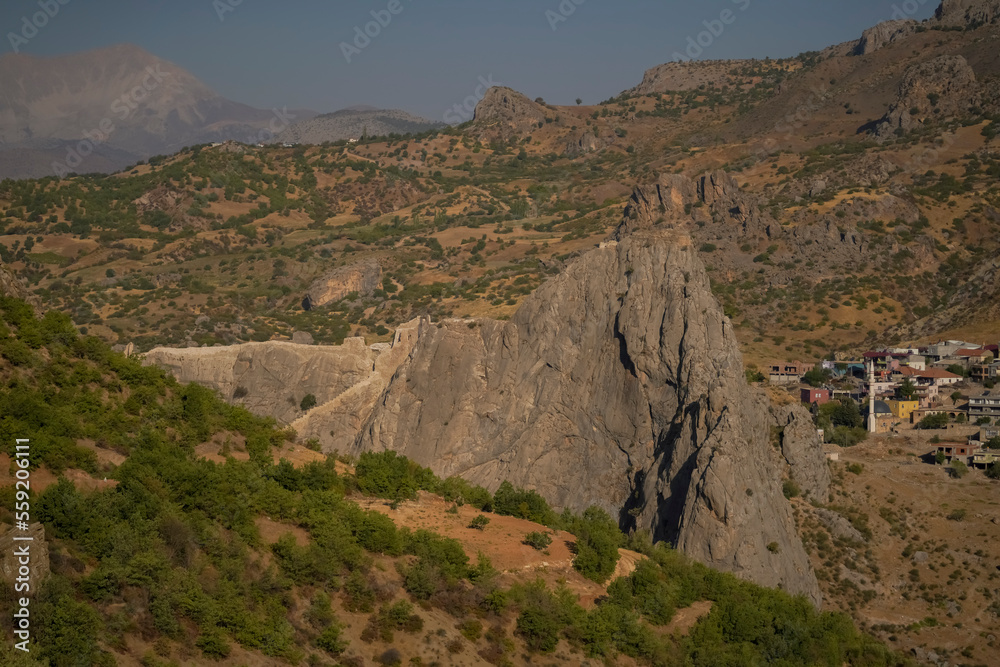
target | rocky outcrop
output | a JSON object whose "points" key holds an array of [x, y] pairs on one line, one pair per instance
{"points": [[618, 384], [839, 526], [11, 285], [676, 200], [337, 422], [585, 143], [691, 75], [884, 33], [942, 87], [802, 449], [363, 278], [271, 378], [970, 13], [504, 114]]}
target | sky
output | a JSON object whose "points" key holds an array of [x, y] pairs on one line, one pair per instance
{"points": [[429, 55]]}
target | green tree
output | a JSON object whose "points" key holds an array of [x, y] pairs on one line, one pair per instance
{"points": [[480, 522], [538, 540], [817, 377], [934, 421], [907, 390], [308, 402]]}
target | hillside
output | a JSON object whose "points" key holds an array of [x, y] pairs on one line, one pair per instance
{"points": [[353, 124], [501, 301], [127, 103], [212, 538]]}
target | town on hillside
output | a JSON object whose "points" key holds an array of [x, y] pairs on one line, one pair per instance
{"points": [[945, 393]]}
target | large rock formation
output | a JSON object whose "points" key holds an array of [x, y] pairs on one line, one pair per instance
{"points": [[271, 378], [942, 87], [11, 285], [884, 33], [363, 277], [619, 383], [968, 12], [505, 114], [712, 197], [801, 446], [691, 75]]}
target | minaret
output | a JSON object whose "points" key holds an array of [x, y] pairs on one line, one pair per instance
{"points": [[871, 395]]}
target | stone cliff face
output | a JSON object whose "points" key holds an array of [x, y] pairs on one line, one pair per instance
{"points": [[271, 378], [713, 197], [941, 87], [11, 285], [619, 383], [884, 33], [968, 12], [362, 277]]}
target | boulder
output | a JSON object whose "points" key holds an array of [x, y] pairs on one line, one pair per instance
{"points": [[302, 338], [839, 526]]}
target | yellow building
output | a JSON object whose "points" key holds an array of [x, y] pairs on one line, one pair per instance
{"points": [[903, 409]]}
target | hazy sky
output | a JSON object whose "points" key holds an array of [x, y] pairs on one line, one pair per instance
{"points": [[432, 53]]}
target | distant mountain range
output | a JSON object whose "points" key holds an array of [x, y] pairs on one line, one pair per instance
{"points": [[105, 109], [353, 123]]}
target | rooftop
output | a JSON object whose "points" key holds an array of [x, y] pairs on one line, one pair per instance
{"points": [[934, 373]]}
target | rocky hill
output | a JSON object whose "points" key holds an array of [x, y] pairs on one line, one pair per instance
{"points": [[127, 103], [354, 124], [619, 383]]}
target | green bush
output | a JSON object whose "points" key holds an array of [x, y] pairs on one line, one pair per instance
{"points": [[935, 421], [308, 402], [791, 489], [528, 505], [597, 544], [538, 540]]}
